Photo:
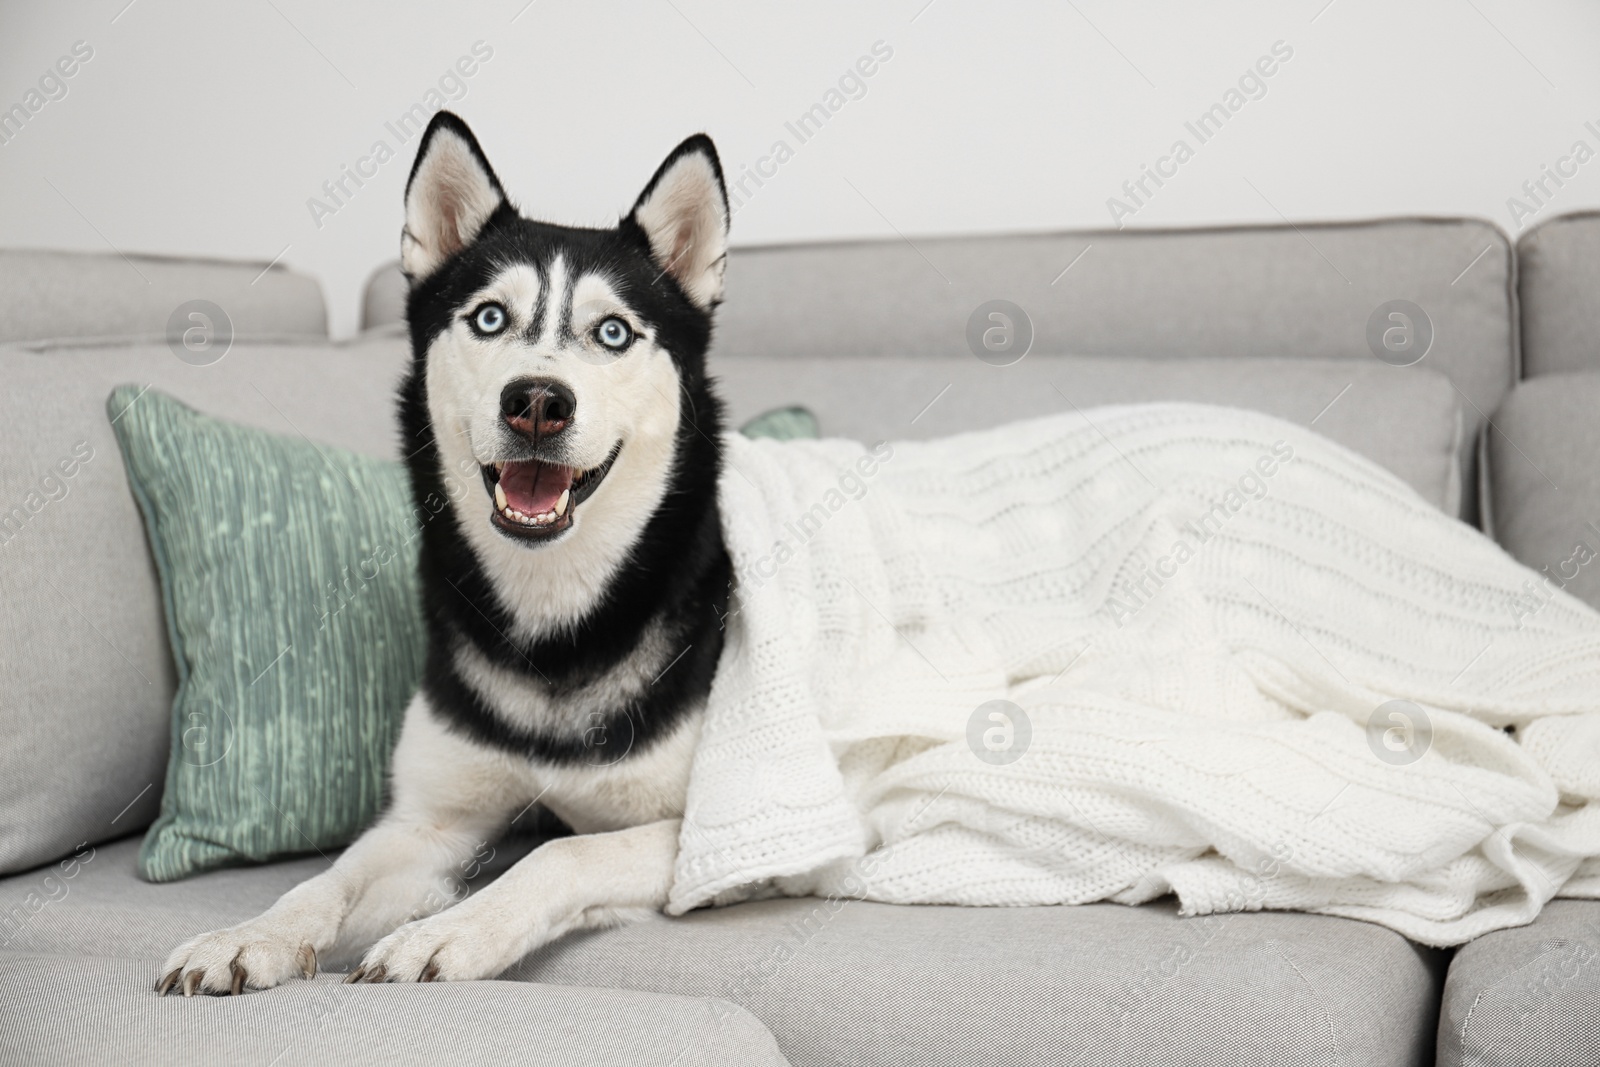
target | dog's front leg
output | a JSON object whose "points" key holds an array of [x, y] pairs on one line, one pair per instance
{"points": [[451, 797], [566, 884], [395, 865]]}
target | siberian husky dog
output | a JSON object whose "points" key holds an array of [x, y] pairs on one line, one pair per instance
{"points": [[564, 458]]}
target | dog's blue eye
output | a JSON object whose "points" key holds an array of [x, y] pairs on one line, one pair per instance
{"points": [[614, 333], [491, 318]]}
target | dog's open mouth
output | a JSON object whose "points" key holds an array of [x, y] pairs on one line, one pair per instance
{"points": [[536, 500]]}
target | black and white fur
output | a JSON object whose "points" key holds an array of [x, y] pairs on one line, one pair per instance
{"points": [[569, 660]]}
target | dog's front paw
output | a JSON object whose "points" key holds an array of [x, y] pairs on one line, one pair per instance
{"points": [[252, 955], [453, 946]]}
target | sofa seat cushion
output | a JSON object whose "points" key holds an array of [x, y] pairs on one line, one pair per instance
{"points": [[1542, 459], [85, 940], [96, 1010], [849, 982], [846, 982], [1528, 996]]}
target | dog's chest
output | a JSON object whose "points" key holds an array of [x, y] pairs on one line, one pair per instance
{"points": [[617, 782], [576, 708], [638, 788]]}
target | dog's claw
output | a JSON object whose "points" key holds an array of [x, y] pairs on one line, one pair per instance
{"points": [[191, 982], [430, 973], [165, 985], [239, 976], [378, 973], [307, 958], [355, 976]]}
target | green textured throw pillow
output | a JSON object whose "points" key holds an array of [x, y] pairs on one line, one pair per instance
{"points": [[288, 574]]}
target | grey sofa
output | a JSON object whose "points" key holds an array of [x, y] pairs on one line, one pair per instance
{"points": [[1495, 423]]}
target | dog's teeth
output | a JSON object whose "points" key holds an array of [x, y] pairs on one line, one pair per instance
{"points": [[561, 504], [499, 467], [499, 497]]}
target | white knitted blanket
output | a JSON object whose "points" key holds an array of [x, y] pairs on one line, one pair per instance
{"points": [[1253, 669]]}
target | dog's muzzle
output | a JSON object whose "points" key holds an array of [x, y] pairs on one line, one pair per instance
{"points": [[535, 500]]}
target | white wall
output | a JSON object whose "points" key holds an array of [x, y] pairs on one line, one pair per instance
{"points": [[206, 128]]}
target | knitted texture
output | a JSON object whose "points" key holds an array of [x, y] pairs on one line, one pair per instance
{"points": [[1249, 667]]}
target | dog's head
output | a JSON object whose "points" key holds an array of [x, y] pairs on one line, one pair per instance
{"points": [[562, 368]]}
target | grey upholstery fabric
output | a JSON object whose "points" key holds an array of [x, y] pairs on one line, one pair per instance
{"points": [[1544, 478], [99, 906], [1405, 419], [75, 294], [1099, 983], [859, 983], [1275, 291], [95, 1011], [1527, 997], [1558, 268], [87, 673], [383, 301]]}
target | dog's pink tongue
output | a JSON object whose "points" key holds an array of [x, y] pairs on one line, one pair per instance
{"points": [[533, 487]]}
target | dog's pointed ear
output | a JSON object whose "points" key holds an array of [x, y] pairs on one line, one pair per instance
{"points": [[451, 195], [684, 215]]}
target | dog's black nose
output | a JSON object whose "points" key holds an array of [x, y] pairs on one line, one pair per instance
{"points": [[538, 407]]}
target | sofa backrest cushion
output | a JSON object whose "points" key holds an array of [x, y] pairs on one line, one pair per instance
{"points": [[383, 301], [75, 294], [88, 677], [1544, 482], [1409, 423], [1558, 267]]}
